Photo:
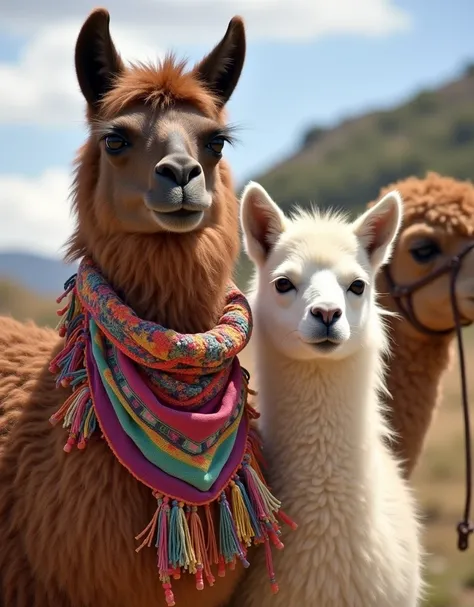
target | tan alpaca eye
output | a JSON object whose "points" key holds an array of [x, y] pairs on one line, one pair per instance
{"points": [[283, 285], [115, 143], [357, 287], [425, 252], [216, 145]]}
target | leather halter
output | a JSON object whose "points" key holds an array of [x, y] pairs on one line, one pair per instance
{"points": [[403, 297]]}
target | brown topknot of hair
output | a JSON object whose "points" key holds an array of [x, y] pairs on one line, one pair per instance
{"points": [[436, 200]]}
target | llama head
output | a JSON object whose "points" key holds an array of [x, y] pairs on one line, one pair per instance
{"points": [[157, 134], [153, 194], [313, 295]]}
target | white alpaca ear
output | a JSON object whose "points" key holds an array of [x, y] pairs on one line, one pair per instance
{"points": [[262, 222], [378, 228]]}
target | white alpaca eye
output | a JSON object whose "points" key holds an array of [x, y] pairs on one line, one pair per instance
{"points": [[357, 287], [283, 285]]}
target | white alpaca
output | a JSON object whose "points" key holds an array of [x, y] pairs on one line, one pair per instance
{"points": [[318, 345]]}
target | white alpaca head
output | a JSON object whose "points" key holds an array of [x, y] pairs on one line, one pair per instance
{"points": [[314, 285]]}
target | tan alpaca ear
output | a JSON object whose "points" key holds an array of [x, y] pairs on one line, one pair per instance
{"points": [[262, 222], [378, 228], [97, 60], [220, 70]]}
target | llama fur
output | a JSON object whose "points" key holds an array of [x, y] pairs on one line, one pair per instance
{"points": [[68, 522], [443, 207], [326, 439]]}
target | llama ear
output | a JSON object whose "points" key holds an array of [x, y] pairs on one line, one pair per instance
{"points": [[220, 70], [97, 60], [262, 222], [378, 228]]}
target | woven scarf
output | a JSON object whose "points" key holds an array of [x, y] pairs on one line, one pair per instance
{"points": [[173, 409]]}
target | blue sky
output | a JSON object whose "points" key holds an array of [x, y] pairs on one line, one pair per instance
{"points": [[286, 86]]}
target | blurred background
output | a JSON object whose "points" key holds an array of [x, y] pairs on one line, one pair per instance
{"points": [[336, 100]]}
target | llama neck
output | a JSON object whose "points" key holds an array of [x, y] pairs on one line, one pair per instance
{"points": [[178, 281], [327, 410], [416, 370]]}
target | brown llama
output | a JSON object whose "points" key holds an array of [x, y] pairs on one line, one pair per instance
{"points": [[157, 222]]}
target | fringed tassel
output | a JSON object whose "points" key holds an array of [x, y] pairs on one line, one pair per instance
{"points": [[181, 552], [77, 412], [266, 508], [158, 526], [162, 539], [263, 501], [149, 532], [248, 512], [284, 518], [271, 572], [251, 512], [211, 544], [78, 415], [254, 441], [242, 518], [229, 543], [199, 544]]}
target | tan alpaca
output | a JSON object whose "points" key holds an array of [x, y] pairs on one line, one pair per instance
{"points": [[438, 224], [318, 345], [67, 523]]}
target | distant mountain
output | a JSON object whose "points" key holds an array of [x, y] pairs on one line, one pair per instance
{"points": [[346, 166], [25, 304], [43, 275]]}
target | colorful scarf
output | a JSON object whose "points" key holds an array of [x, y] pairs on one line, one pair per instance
{"points": [[173, 409]]}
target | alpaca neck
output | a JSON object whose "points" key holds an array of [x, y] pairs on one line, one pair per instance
{"points": [[416, 369], [414, 379], [326, 410]]}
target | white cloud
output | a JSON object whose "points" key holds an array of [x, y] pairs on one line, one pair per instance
{"points": [[41, 86], [195, 20], [35, 211]]}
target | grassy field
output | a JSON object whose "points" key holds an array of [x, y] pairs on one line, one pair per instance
{"points": [[438, 480]]}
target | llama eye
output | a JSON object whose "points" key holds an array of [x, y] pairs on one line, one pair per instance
{"points": [[115, 143], [425, 252], [216, 145], [283, 285], [357, 287]]}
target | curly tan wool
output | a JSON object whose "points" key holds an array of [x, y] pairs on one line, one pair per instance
{"points": [[67, 522], [438, 223]]}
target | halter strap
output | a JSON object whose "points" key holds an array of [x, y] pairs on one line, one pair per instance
{"points": [[403, 297]]}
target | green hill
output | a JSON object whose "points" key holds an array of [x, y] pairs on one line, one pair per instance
{"points": [[345, 166]]}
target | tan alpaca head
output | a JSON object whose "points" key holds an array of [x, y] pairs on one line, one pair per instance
{"points": [[438, 224]]}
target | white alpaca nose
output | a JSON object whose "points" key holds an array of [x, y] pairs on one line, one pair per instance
{"points": [[328, 316]]}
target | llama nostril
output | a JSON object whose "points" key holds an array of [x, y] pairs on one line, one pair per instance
{"points": [[195, 172], [179, 170], [328, 316], [167, 172]]}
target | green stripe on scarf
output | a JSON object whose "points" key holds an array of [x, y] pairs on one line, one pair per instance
{"points": [[200, 479]]}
